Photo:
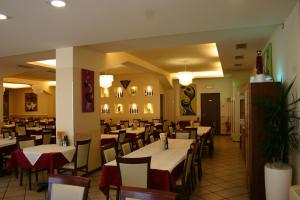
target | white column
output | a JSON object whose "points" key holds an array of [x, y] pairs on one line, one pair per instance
{"points": [[1, 100], [64, 92]]}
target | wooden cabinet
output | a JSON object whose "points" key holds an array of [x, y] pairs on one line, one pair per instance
{"points": [[255, 132]]}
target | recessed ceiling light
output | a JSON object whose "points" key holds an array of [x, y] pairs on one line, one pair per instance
{"points": [[58, 3], [3, 17], [45, 63]]}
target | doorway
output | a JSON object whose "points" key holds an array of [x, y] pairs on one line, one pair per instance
{"points": [[210, 110]]}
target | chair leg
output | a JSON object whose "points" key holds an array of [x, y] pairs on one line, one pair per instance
{"points": [[107, 196], [29, 177], [21, 177]]}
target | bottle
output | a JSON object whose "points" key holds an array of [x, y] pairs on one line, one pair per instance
{"points": [[167, 143]]}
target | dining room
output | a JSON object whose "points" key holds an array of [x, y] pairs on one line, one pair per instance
{"points": [[141, 113]]}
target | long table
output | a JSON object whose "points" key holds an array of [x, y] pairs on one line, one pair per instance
{"points": [[201, 130], [163, 165]]}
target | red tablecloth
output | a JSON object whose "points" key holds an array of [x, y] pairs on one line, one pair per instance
{"points": [[49, 161], [159, 179]]}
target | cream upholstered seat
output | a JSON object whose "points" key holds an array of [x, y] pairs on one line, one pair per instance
{"points": [[109, 152], [131, 168], [139, 142], [182, 135], [67, 187], [146, 134], [46, 137], [81, 159], [126, 148], [193, 133], [152, 139]]}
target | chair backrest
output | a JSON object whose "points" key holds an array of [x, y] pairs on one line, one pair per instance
{"points": [[113, 128], [68, 187], [82, 153], [46, 136], [151, 137], [193, 133], [139, 142], [155, 120], [122, 126], [146, 134], [142, 123], [131, 168], [136, 121], [152, 129], [126, 123], [125, 147], [121, 136], [127, 193], [171, 131], [182, 135], [5, 132], [165, 126], [109, 152], [187, 166], [25, 141], [21, 130]]}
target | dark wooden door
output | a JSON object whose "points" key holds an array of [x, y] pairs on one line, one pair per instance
{"points": [[210, 110]]}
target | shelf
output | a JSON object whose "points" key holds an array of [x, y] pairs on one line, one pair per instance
{"points": [[133, 91], [105, 109], [104, 92], [148, 108], [133, 108], [119, 108], [148, 90], [119, 92]]}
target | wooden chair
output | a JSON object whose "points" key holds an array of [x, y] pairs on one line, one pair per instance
{"points": [[80, 162], [183, 183], [193, 133], [109, 152], [121, 138], [46, 137], [131, 168], [198, 158], [182, 135], [139, 142], [156, 120], [151, 138], [68, 187], [126, 147], [24, 142], [146, 194], [146, 134], [21, 130], [171, 131]]}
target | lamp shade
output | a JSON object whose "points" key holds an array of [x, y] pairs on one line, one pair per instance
{"points": [[185, 78], [106, 80]]}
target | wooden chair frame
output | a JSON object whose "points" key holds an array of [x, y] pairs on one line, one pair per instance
{"points": [[69, 180]]}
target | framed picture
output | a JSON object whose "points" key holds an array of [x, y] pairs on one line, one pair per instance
{"points": [[31, 102], [188, 102], [267, 58], [87, 81]]}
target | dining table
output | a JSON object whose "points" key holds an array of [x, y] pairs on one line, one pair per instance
{"points": [[164, 167], [131, 133], [201, 130], [48, 156], [108, 138]]}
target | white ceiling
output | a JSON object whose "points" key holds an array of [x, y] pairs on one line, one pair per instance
{"points": [[134, 26]]}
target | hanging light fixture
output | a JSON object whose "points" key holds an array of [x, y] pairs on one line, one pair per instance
{"points": [[185, 78], [105, 81]]}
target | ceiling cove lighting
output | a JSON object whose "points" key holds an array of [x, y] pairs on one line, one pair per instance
{"points": [[37, 89], [52, 83], [45, 63], [3, 17], [58, 3], [105, 81], [15, 85]]}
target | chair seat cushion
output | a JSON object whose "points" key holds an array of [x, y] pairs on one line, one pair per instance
{"points": [[70, 165]]}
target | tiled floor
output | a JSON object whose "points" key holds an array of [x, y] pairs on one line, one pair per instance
{"points": [[223, 178]]}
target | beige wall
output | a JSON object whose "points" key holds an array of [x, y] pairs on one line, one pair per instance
{"points": [[141, 81], [46, 103], [224, 86]]}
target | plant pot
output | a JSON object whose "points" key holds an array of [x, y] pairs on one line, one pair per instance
{"points": [[278, 179]]}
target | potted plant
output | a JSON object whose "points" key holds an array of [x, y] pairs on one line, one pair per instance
{"points": [[281, 138]]}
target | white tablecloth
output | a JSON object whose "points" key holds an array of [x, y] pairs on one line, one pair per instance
{"points": [[137, 131], [34, 153], [8, 125], [108, 136], [4, 142], [202, 130], [162, 159]]}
